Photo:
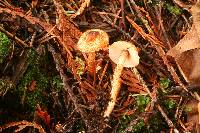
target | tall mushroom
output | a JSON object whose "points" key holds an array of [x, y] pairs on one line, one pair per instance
{"points": [[124, 54], [91, 41]]}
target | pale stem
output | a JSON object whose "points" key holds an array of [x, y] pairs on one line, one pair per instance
{"points": [[116, 83]]}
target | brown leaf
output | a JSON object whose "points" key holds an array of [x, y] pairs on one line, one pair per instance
{"points": [[192, 116], [34, 3], [189, 41], [187, 52], [192, 39], [189, 65]]}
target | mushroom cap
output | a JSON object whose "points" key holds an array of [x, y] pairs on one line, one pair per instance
{"points": [[93, 40], [116, 49]]}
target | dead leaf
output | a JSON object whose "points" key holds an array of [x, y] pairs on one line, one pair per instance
{"points": [[189, 63], [189, 41], [192, 39], [192, 116], [186, 52], [34, 3]]}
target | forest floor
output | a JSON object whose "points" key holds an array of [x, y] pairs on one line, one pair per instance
{"points": [[47, 84]]}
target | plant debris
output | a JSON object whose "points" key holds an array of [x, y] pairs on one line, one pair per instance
{"points": [[48, 85]]}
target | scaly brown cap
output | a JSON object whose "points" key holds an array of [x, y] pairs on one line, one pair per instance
{"points": [[118, 47], [93, 40]]}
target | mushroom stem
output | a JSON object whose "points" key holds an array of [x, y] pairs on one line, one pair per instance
{"points": [[116, 83], [91, 63]]}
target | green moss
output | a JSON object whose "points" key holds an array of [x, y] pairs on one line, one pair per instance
{"points": [[156, 124], [139, 3], [164, 84], [124, 121], [79, 127], [81, 66], [170, 104], [139, 126], [187, 109], [5, 85], [173, 9], [57, 83], [34, 73], [152, 2], [4, 46], [142, 101]]}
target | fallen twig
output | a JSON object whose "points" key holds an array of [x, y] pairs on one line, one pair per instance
{"points": [[161, 52], [66, 86], [85, 4], [21, 43], [71, 35], [21, 125]]}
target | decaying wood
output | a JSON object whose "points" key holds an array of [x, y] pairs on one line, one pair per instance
{"points": [[86, 97]]}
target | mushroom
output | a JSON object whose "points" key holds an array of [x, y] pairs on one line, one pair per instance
{"points": [[124, 54], [91, 41]]}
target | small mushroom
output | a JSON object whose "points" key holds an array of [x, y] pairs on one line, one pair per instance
{"points": [[124, 54], [91, 41]]}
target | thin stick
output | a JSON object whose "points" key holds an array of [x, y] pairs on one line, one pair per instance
{"points": [[169, 122], [22, 125], [140, 79], [66, 86], [14, 37]]}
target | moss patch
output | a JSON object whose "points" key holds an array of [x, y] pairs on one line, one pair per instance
{"points": [[4, 46]]}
